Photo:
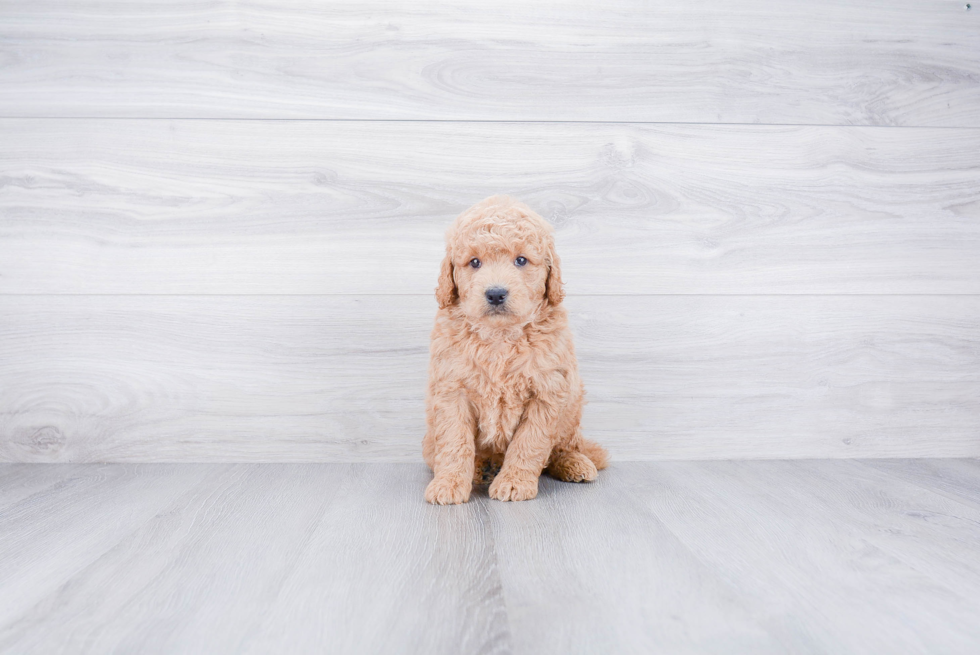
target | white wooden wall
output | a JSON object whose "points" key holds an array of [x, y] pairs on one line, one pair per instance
{"points": [[221, 222]]}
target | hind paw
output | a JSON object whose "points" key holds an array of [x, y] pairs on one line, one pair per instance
{"points": [[573, 467]]}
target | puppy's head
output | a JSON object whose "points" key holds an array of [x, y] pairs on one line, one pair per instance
{"points": [[500, 266]]}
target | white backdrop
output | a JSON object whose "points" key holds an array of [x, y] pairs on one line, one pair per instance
{"points": [[221, 222]]}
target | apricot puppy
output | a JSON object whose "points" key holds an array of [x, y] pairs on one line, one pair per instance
{"points": [[504, 390]]}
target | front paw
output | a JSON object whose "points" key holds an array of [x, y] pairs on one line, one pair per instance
{"points": [[448, 490], [514, 486]]}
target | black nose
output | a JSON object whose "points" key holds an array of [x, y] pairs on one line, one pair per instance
{"points": [[496, 296]]}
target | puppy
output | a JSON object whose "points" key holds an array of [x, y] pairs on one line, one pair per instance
{"points": [[504, 390]]}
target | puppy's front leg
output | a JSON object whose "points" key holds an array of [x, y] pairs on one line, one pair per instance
{"points": [[453, 427], [527, 454]]}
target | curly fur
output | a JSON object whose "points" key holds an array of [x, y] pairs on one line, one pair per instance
{"points": [[505, 398]]}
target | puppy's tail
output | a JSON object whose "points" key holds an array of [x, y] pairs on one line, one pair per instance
{"points": [[595, 452]]}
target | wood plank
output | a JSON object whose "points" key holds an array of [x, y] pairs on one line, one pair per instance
{"points": [[958, 479], [282, 558], [384, 572], [793, 542], [590, 569], [293, 378], [706, 557], [925, 528], [20, 481], [51, 536], [209, 207], [900, 62], [195, 576]]}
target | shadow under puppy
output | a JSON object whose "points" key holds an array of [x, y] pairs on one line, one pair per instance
{"points": [[504, 390]]}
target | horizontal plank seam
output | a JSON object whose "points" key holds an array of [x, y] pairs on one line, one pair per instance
{"points": [[428, 295], [486, 121], [416, 460], [420, 464]]}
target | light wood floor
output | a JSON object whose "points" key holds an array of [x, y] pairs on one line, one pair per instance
{"points": [[825, 556]]}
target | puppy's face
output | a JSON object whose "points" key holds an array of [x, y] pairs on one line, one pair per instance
{"points": [[500, 267], [500, 285]]}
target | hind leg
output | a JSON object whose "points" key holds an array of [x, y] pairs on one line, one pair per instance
{"points": [[572, 466], [487, 467], [575, 458]]}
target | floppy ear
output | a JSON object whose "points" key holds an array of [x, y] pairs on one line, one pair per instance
{"points": [[446, 292], [552, 286]]}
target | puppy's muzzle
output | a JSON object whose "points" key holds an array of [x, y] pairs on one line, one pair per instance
{"points": [[496, 296]]}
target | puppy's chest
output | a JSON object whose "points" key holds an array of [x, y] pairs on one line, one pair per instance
{"points": [[499, 389]]}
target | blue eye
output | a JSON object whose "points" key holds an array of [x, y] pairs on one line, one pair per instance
{"points": [[520, 261], [475, 263]]}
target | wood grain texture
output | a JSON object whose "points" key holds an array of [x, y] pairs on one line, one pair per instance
{"points": [[706, 557], [66, 527], [824, 560], [410, 578], [619, 579], [900, 62], [878, 502], [21, 481], [238, 207], [958, 479], [89, 378]]}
